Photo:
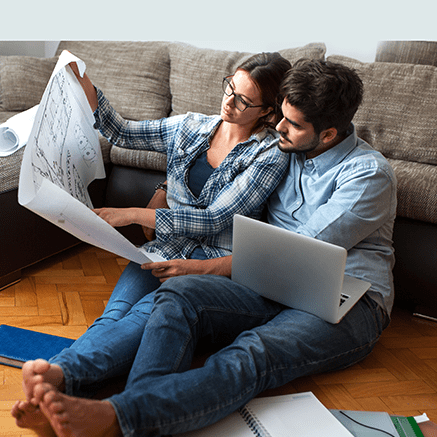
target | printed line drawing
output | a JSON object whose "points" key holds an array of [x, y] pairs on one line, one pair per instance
{"points": [[53, 154]]}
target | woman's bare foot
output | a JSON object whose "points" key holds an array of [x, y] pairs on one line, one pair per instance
{"points": [[77, 417], [38, 371], [31, 417]]}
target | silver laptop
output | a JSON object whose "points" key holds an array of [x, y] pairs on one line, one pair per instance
{"points": [[295, 270]]}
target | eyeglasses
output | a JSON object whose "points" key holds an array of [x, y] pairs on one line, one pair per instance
{"points": [[239, 102]]}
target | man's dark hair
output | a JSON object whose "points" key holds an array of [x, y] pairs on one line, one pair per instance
{"points": [[328, 94]]}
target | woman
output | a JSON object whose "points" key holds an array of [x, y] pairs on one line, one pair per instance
{"points": [[217, 166]]}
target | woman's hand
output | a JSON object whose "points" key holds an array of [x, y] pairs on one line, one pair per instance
{"points": [[178, 267], [126, 216], [87, 86]]}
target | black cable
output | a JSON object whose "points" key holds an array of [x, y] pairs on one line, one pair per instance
{"points": [[366, 426]]}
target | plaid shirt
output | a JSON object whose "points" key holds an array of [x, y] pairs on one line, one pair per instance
{"points": [[240, 185]]}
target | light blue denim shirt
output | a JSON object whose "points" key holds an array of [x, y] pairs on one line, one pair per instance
{"points": [[345, 196]]}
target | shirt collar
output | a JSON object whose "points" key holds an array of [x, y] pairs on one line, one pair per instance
{"points": [[334, 156]]}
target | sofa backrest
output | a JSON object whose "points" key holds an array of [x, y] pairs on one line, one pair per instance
{"points": [[407, 52], [398, 118], [134, 76], [196, 74], [22, 81]]}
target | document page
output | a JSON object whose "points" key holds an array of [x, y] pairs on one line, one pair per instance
{"points": [[62, 158]]}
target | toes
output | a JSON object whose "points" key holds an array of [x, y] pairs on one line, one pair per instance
{"points": [[52, 400], [16, 410], [41, 366], [40, 391]]}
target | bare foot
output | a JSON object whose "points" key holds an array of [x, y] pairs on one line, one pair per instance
{"points": [[31, 417], [77, 417], [38, 371]]}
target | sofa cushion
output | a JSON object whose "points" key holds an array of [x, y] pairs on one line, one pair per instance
{"points": [[408, 52], [398, 114], [134, 76], [10, 171], [139, 158], [196, 74], [417, 190], [398, 118], [23, 80]]}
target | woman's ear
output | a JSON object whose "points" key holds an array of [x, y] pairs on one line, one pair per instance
{"points": [[266, 112]]}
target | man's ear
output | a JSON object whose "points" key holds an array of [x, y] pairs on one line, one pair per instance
{"points": [[328, 135]]}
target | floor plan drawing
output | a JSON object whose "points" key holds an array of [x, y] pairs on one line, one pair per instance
{"points": [[61, 144], [62, 157]]}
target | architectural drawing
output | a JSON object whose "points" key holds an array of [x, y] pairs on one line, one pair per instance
{"points": [[62, 158], [61, 144]]}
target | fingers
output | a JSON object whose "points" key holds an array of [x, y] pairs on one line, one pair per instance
{"points": [[156, 265]]}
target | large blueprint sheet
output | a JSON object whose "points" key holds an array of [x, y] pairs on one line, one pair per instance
{"points": [[62, 157]]}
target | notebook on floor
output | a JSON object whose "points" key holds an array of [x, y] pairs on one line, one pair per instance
{"points": [[295, 415], [293, 269]]}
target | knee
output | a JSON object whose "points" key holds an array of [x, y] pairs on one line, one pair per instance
{"points": [[187, 287]]}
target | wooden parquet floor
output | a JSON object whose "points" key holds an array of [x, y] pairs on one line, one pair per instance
{"points": [[64, 294]]}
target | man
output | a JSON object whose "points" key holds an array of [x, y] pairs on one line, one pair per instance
{"points": [[337, 189]]}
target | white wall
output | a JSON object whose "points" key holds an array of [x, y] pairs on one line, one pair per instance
{"points": [[347, 27], [364, 52]]}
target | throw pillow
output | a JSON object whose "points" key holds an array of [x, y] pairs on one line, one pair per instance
{"points": [[398, 114], [197, 73], [408, 52], [133, 75], [23, 80]]}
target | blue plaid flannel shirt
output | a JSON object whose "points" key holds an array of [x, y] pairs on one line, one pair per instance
{"points": [[240, 185]]}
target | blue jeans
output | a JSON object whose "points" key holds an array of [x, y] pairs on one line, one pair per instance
{"points": [[267, 345], [134, 285]]}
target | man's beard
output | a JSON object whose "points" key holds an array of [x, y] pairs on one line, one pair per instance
{"points": [[305, 148]]}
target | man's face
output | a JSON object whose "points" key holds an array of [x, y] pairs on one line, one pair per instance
{"points": [[296, 134]]}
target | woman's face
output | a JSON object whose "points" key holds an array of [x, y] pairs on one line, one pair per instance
{"points": [[246, 88]]}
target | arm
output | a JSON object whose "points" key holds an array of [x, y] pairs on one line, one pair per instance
{"points": [[178, 267], [149, 134], [363, 200], [126, 216], [143, 216], [159, 200]]}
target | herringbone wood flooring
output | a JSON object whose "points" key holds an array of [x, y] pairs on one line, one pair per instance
{"points": [[64, 294]]}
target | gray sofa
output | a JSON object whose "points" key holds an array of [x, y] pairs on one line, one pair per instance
{"points": [[158, 79]]}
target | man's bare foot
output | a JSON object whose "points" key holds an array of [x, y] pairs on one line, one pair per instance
{"points": [[31, 417], [38, 371], [77, 417]]}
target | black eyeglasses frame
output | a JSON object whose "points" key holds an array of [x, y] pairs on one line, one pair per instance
{"points": [[237, 97]]}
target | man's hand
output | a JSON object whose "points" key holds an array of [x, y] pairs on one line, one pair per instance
{"points": [[178, 267]]}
